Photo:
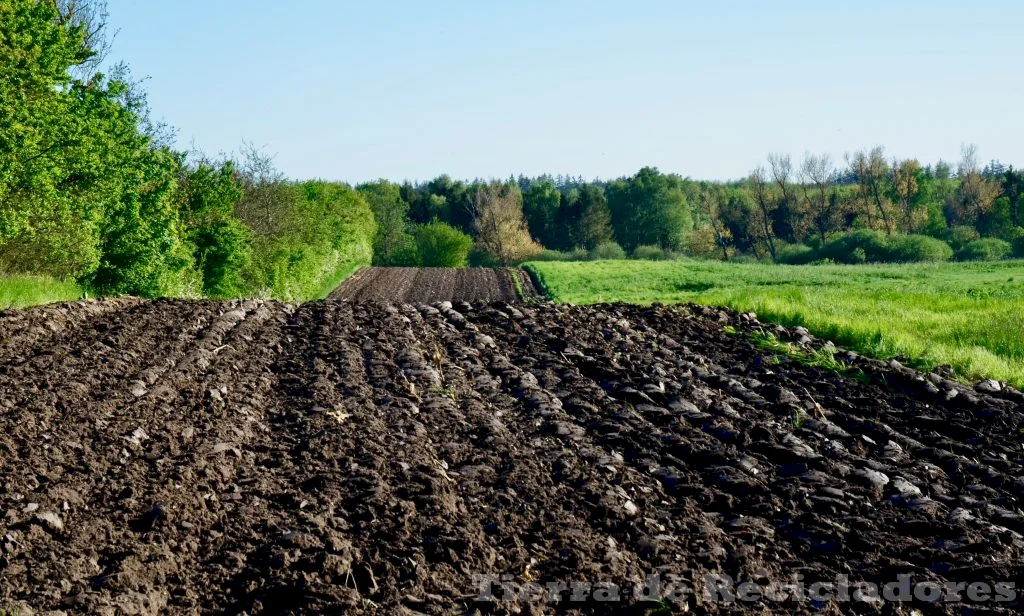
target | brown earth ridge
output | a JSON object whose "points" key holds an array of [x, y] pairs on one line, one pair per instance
{"points": [[249, 457], [423, 285]]}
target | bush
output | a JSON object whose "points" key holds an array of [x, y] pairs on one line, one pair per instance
{"points": [[321, 232], [652, 253], [795, 254], [442, 245], [702, 243], [862, 246], [220, 242], [402, 251], [988, 249], [916, 248], [578, 254], [607, 251], [958, 237], [478, 257], [867, 246], [1018, 247], [551, 255]]}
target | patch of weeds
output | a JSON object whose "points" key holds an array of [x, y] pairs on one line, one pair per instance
{"points": [[517, 283], [823, 358], [446, 391], [661, 607], [799, 419]]}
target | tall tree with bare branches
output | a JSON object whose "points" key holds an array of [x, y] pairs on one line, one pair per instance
{"points": [[817, 175], [500, 227], [871, 169], [976, 194], [711, 198], [766, 207], [905, 189], [92, 17]]}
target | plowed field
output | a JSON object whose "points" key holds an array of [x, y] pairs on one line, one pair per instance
{"points": [[176, 457], [413, 285]]}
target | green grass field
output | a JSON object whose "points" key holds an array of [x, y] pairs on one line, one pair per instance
{"points": [[23, 291], [967, 315]]}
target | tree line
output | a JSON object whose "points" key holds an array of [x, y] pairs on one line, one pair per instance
{"points": [[871, 208], [92, 189]]}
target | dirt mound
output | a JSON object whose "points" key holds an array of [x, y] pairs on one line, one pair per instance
{"points": [[179, 457], [430, 284]]}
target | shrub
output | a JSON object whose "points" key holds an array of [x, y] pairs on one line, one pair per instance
{"points": [[578, 254], [222, 249], [478, 257], [1018, 247], [551, 255], [958, 237], [915, 248], [860, 246], [652, 253], [220, 242], [321, 231], [442, 245], [402, 251], [795, 254], [988, 249], [703, 243], [607, 251]]}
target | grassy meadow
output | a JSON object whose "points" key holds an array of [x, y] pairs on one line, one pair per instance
{"points": [[18, 291], [967, 315]]}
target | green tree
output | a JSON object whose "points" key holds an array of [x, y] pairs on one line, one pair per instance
{"points": [[586, 221], [541, 203], [48, 218], [221, 243], [441, 245], [1013, 189], [392, 242], [649, 208]]}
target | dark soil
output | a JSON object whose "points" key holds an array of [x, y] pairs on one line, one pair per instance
{"points": [[176, 457], [412, 285]]}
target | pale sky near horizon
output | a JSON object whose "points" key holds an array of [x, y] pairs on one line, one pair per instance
{"points": [[406, 89]]}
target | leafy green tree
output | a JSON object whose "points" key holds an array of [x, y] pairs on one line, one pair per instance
{"points": [[390, 246], [872, 174], [87, 190], [585, 220], [43, 226], [595, 225], [997, 220], [221, 243], [142, 252], [442, 245], [649, 208], [443, 199], [541, 202], [1013, 190]]}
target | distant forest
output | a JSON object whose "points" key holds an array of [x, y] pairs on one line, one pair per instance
{"points": [[92, 189], [869, 209]]}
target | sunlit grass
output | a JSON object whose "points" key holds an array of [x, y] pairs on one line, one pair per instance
{"points": [[967, 315], [17, 291]]}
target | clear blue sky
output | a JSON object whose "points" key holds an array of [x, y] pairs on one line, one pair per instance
{"points": [[411, 89]]}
